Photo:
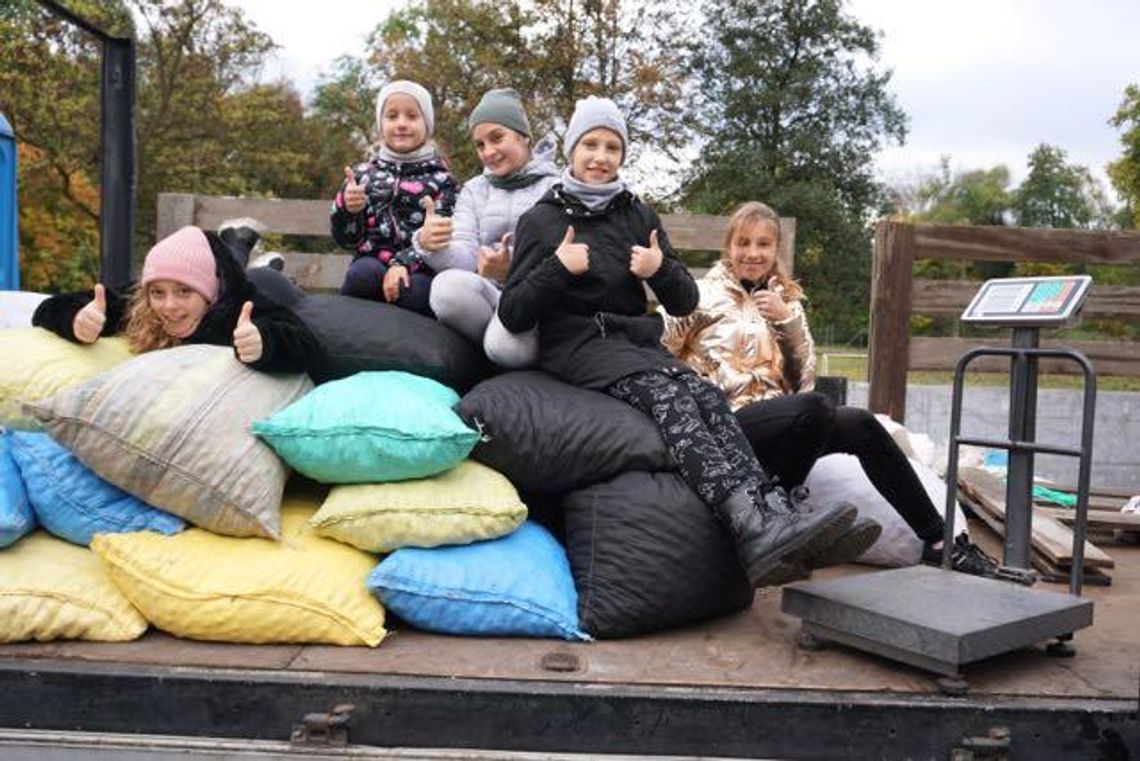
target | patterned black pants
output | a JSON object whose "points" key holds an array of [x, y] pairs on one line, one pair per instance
{"points": [[699, 429]]}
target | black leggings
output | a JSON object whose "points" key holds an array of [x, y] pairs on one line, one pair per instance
{"points": [[699, 430], [789, 433]]}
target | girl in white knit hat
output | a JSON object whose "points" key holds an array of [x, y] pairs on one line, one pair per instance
{"points": [[583, 258], [192, 291], [406, 185]]}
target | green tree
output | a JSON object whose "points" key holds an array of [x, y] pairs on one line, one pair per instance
{"points": [[552, 51], [793, 108], [1058, 194], [1125, 171]]}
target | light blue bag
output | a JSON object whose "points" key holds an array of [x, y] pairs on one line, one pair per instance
{"points": [[370, 428], [72, 502], [16, 516], [517, 585]]}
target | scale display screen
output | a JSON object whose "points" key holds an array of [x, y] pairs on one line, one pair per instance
{"points": [[1019, 301]]}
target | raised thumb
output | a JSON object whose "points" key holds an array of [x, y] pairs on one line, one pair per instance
{"points": [[569, 236], [506, 241], [429, 205], [349, 176], [773, 282], [100, 297], [246, 315], [653, 238]]}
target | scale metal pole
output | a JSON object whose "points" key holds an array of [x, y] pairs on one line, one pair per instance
{"points": [[1022, 429]]}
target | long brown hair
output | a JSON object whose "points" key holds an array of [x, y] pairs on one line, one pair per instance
{"points": [[144, 329], [754, 213]]}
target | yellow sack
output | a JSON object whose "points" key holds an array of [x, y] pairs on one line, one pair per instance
{"points": [[199, 585], [51, 589], [38, 363], [468, 503]]}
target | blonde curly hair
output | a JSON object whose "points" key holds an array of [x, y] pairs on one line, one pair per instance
{"points": [[754, 213], [144, 330]]}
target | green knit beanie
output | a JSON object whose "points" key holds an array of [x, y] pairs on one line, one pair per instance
{"points": [[501, 106]]}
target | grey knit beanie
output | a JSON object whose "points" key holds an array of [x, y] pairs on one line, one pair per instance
{"points": [[421, 96], [500, 106], [591, 113]]}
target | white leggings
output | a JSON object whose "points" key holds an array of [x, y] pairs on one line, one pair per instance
{"points": [[465, 302]]}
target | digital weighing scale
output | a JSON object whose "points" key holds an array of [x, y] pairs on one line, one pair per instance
{"points": [[938, 619]]}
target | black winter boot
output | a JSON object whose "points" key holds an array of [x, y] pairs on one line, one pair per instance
{"points": [[764, 528]]}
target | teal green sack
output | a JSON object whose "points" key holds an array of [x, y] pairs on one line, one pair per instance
{"points": [[371, 427]]}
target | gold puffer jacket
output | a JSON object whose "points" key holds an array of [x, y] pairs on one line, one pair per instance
{"points": [[728, 341]]}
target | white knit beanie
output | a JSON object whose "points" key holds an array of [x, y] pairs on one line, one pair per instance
{"points": [[406, 87], [591, 113]]}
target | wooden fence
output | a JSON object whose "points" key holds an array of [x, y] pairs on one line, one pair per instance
{"points": [[896, 295], [324, 271]]}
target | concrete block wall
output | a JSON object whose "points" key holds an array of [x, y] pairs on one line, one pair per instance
{"points": [[985, 414]]}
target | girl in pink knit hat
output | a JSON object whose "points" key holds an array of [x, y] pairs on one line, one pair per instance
{"points": [[192, 291]]}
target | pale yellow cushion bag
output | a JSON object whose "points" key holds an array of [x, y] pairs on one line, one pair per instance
{"points": [[468, 503], [38, 363], [198, 585], [51, 589]]}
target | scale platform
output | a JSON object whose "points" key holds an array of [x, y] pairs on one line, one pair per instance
{"points": [[932, 618]]}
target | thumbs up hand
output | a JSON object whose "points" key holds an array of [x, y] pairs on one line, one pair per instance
{"points": [[495, 263], [645, 261], [247, 338], [575, 257], [435, 234], [88, 323], [354, 200], [771, 302]]}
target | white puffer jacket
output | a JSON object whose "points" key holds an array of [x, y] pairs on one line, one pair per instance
{"points": [[484, 213], [742, 353]]}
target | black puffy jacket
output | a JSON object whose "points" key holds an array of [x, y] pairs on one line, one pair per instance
{"points": [[287, 343], [593, 329]]}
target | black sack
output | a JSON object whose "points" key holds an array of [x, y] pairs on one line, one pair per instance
{"points": [[359, 335], [648, 554], [549, 437]]}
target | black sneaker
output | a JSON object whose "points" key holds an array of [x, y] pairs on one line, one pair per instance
{"points": [[965, 557]]}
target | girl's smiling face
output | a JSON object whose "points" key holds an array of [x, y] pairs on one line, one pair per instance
{"points": [[402, 126], [597, 156], [501, 150], [179, 307], [752, 250]]}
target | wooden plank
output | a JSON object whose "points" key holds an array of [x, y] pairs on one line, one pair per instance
{"points": [[689, 232], [175, 211], [1054, 574], [285, 216], [1049, 537], [1098, 520], [889, 335], [1019, 244], [950, 298], [1107, 357]]}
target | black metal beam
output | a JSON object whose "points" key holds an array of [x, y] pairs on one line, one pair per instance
{"points": [[515, 715], [117, 188]]}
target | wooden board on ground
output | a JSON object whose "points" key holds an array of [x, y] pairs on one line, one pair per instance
{"points": [[1056, 575], [1052, 539], [1099, 520]]}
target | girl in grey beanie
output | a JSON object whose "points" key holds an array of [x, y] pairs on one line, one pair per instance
{"points": [[472, 265]]}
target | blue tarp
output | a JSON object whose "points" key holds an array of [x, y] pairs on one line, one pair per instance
{"points": [[9, 248]]}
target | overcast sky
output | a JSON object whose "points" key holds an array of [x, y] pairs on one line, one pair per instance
{"points": [[983, 81]]}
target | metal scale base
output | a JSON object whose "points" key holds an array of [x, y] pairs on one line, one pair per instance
{"points": [[934, 619]]}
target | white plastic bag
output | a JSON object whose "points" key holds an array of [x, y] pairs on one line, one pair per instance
{"points": [[840, 477]]}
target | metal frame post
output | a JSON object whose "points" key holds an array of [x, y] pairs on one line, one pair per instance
{"points": [[1022, 428]]}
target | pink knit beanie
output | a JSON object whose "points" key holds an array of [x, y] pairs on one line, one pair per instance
{"points": [[185, 257]]}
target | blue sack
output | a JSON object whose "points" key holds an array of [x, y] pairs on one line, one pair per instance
{"points": [[72, 502], [517, 585], [16, 517]]}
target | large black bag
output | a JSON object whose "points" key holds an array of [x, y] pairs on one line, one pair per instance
{"points": [[550, 437], [647, 554], [359, 335]]}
